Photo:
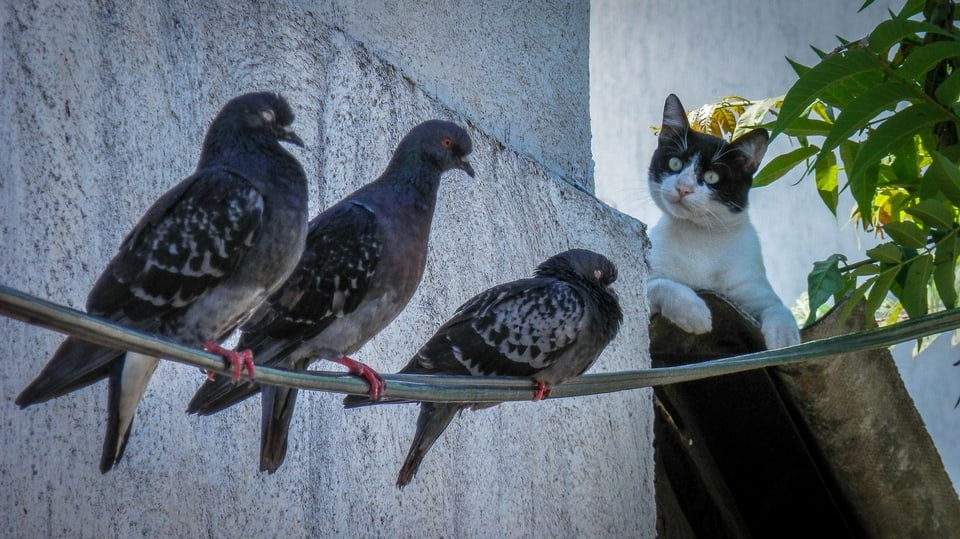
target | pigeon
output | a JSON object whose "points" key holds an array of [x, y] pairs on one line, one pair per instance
{"points": [[363, 261], [198, 263], [551, 327]]}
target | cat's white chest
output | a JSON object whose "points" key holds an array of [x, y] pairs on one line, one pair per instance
{"points": [[703, 258]]}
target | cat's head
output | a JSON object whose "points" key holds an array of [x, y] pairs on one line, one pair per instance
{"points": [[699, 177]]}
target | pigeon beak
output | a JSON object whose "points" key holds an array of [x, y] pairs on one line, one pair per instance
{"points": [[464, 165], [291, 137]]}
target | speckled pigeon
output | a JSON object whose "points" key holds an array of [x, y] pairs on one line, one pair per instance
{"points": [[204, 256], [363, 261], [551, 327]]}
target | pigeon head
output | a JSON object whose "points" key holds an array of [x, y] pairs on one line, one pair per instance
{"points": [[582, 263], [442, 144], [261, 115]]}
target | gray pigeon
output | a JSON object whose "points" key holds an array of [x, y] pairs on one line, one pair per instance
{"points": [[363, 261], [551, 328], [204, 256]]}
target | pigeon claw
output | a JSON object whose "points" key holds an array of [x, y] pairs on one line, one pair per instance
{"points": [[543, 391], [377, 384], [239, 360]]}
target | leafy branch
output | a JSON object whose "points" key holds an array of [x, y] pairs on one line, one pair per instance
{"points": [[877, 117]]}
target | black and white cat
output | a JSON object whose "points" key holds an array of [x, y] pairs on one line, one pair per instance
{"points": [[705, 240]]}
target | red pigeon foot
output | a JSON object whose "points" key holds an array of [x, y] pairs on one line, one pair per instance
{"points": [[377, 385], [543, 391], [239, 360]]}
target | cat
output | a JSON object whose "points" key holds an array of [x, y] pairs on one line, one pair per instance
{"points": [[704, 240]]}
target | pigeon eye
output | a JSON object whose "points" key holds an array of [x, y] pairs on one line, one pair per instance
{"points": [[446, 142], [268, 116], [675, 164], [711, 177]]}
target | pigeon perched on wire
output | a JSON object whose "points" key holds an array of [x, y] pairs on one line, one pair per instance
{"points": [[363, 261], [551, 327], [204, 256]]}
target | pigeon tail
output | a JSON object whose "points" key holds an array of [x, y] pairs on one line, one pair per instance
{"points": [[278, 403], [433, 420], [219, 394], [75, 365], [128, 382]]}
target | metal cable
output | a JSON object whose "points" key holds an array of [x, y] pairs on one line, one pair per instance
{"points": [[33, 310]]}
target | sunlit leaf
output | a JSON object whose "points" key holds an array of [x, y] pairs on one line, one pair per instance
{"points": [[932, 213], [907, 234], [753, 115], [864, 108], [823, 76], [782, 164], [886, 252], [895, 131], [914, 296], [824, 282], [825, 171], [891, 31]]}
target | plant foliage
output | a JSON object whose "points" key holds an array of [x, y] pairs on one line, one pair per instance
{"points": [[877, 117]]}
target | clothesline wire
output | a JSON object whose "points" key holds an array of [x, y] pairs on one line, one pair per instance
{"points": [[31, 309]]}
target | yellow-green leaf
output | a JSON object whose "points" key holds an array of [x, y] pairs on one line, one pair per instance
{"points": [[825, 172]]}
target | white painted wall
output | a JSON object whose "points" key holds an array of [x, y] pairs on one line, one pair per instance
{"points": [[642, 51], [105, 106]]}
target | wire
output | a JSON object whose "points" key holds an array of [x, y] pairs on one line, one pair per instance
{"points": [[36, 311]]}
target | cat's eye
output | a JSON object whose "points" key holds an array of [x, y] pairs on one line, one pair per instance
{"points": [[711, 177], [675, 164]]}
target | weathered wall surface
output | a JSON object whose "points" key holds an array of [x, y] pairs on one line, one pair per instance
{"points": [[642, 51], [105, 107]]}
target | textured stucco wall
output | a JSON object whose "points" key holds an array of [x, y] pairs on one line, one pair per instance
{"points": [[105, 109], [642, 51]]}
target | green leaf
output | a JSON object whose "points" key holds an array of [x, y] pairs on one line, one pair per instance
{"points": [[781, 164], [933, 213], [914, 294], [828, 74], [864, 190], [946, 175], [848, 153], [945, 270], [892, 31], [911, 8], [949, 90], [886, 252], [808, 127], [894, 132], [825, 171], [906, 233], [824, 282], [879, 290], [857, 115], [926, 57]]}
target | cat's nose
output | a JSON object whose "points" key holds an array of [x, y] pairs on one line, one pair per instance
{"points": [[683, 191]]}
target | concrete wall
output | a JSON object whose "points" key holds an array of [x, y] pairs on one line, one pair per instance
{"points": [[105, 107], [642, 51]]}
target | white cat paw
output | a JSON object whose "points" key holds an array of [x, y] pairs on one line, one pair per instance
{"points": [[779, 330], [684, 308]]}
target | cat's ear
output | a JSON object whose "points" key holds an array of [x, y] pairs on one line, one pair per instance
{"points": [[674, 118], [753, 145]]}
